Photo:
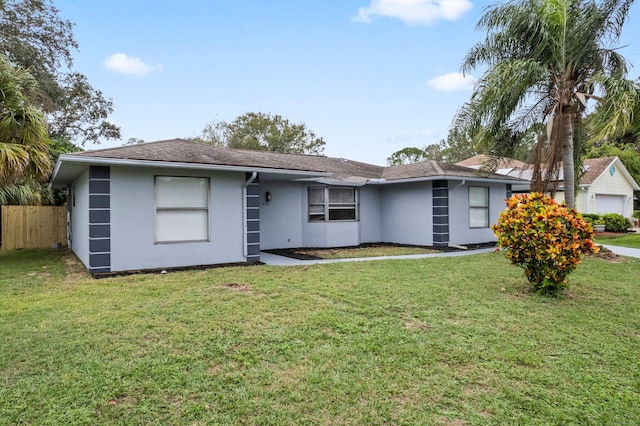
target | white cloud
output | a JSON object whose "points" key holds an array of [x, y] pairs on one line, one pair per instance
{"points": [[451, 82], [414, 11], [128, 65]]}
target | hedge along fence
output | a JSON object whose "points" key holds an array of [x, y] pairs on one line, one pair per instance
{"points": [[33, 226]]}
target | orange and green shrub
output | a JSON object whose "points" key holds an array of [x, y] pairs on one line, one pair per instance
{"points": [[548, 240]]}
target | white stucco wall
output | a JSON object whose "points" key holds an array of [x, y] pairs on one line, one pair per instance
{"points": [[459, 230], [281, 219], [407, 211], [132, 221], [80, 217]]}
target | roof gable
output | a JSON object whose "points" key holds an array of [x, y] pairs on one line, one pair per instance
{"points": [[597, 167]]}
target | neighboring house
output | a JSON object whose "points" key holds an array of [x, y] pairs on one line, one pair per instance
{"points": [[179, 203], [501, 165], [605, 184]]}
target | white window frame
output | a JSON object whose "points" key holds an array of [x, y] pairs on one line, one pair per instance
{"points": [[181, 205], [475, 208], [324, 208]]}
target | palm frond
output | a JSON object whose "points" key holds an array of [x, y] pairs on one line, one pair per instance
{"points": [[618, 108], [25, 194]]}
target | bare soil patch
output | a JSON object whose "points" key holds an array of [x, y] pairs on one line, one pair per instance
{"points": [[73, 268], [608, 255]]}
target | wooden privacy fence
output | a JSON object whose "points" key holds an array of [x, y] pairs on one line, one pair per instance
{"points": [[33, 226]]}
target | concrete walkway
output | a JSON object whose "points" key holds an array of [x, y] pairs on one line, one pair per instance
{"points": [[623, 251], [273, 259]]}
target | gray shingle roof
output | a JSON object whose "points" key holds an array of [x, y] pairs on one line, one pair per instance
{"points": [[192, 152], [482, 159], [434, 169], [594, 168]]}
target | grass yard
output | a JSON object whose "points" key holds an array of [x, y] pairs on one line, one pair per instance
{"points": [[624, 240], [444, 341]]}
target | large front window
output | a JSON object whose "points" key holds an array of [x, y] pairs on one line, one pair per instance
{"points": [[478, 207], [329, 204], [182, 209]]}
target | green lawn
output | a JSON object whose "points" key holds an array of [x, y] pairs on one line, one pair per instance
{"points": [[624, 240], [444, 341]]}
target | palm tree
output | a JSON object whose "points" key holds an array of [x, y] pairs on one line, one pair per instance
{"points": [[545, 60], [26, 193], [23, 129]]}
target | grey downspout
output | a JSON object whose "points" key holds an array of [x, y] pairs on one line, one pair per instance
{"points": [[245, 253]]}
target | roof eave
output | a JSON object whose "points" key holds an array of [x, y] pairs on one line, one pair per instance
{"points": [[87, 160], [446, 177]]}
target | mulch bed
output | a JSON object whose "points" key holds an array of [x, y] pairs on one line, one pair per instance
{"points": [[606, 254], [298, 252]]}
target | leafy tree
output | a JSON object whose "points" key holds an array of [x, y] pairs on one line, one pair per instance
{"points": [[34, 36], [264, 132], [57, 197], [434, 152], [215, 133], [458, 146], [545, 60], [407, 156]]}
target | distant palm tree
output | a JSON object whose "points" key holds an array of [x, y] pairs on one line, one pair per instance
{"points": [[546, 59], [23, 130]]}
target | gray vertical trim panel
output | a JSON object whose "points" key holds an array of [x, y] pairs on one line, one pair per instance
{"points": [[252, 202], [99, 219], [440, 213]]}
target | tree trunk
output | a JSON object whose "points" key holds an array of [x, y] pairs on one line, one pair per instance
{"points": [[568, 168]]}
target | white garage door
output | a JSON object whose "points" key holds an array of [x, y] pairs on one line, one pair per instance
{"points": [[610, 204]]}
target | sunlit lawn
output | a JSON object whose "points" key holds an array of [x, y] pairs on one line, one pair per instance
{"points": [[450, 341], [624, 240]]}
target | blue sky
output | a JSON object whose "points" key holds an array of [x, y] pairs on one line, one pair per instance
{"points": [[369, 76]]}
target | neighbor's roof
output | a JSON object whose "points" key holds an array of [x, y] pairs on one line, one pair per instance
{"points": [[593, 169], [186, 153], [435, 169], [480, 160]]}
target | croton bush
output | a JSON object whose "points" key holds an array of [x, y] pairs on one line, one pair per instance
{"points": [[546, 239]]}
